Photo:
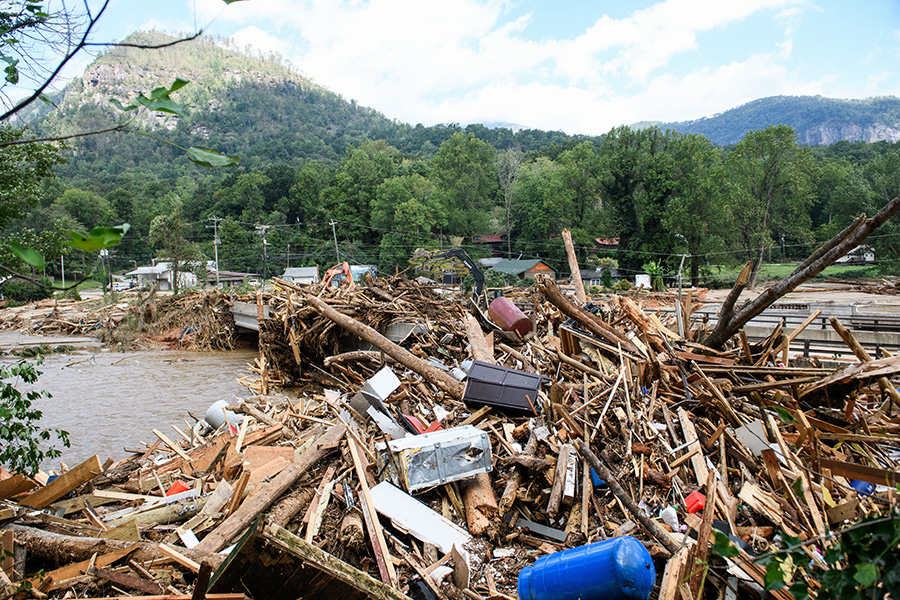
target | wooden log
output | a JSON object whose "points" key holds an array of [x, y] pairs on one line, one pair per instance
{"points": [[559, 479], [432, 374], [357, 356], [730, 321], [480, 502], [66, 548], [219, 537], [515, 479], [289, 506], [125, 580], [477, 342], [584, 318], [574, 268]]}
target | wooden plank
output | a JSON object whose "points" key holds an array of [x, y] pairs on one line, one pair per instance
{"points": [[180, 558], [385, 563], [74, 570], [173, 446], [12, 486], [127, 532], [64, 484], [333, 566], [862, 472], [273, 563], [704, 358]]}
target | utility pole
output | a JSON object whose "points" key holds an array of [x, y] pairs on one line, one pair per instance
{"points": [[262, 231], [215, 227], [337, 254], [288, 257]]}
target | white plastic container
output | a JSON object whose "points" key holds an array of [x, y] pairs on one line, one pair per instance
{"points": [[215, 415]]}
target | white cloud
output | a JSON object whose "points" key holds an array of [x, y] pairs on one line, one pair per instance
{"points": [[467, 60]]}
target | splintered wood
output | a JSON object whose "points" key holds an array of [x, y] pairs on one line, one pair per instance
{"points": [[630, 429]]}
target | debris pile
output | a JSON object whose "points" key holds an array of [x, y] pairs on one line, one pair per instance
{"points": [[402, 445]]}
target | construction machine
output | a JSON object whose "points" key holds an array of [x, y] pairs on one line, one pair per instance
{"points": [[478, 297], [339, 269]]}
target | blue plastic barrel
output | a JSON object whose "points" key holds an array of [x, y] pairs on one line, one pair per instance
{"points": [[615, 569]]}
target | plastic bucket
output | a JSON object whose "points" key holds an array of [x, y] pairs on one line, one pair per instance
{"points": [[215, 415], [614, 569], [508, 316]]}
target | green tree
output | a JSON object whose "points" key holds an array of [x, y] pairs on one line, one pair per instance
{"points": [[696, 211], [169, 233], [87, 208], [509, 162], [465, 170], [772, 191], [623, 156], [23, 447], [406, 207]]}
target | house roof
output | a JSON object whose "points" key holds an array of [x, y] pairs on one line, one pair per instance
{"points": [[150, 270], [517, 267]]}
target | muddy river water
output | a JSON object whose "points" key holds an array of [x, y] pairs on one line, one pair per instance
{"points": [[108, 401]]}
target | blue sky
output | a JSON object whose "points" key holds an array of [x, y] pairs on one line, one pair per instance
{"points": [[577, 66]]}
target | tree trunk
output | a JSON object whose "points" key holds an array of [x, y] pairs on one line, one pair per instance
{"points": [[64, 549], [730, 321], [586, 319]]}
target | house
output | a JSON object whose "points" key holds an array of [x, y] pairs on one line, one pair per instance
{"points": [[228, 278], [301, 275], [497, 243], [594, 277], [162, 275], [525, 268], [861, 255]]}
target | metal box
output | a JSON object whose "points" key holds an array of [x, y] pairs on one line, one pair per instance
{"points": [[509, 390], [421, 461]]}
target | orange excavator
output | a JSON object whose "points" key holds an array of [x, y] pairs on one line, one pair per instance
{"points": [[340, 269]]}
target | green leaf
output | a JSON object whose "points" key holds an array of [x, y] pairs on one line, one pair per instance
{"points": [[29, 255], [121, 107], [866, 574], [98, 238], [774, 576], [797, 486], [784, 415], [46, 100], [165, 104], [723, 546], [207, 157]]}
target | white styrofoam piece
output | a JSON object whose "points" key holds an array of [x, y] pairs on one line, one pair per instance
{"points": [[753, 436], [386, 424], [384, 382], [413, 516]]}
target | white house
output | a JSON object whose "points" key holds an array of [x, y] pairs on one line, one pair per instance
{"points": [[162, 275], [305, 275]]}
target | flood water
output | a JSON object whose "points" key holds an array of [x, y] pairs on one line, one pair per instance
{"points": [[108, 401]]}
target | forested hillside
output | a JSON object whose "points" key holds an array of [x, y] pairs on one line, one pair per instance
{"points": [[318, 171], [815, 119]]}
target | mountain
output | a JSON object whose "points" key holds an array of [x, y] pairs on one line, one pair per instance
{"points": [[816, 119], [252, 106]]}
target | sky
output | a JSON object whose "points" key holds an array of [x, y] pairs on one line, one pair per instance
{"points": [[581, 67]]}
